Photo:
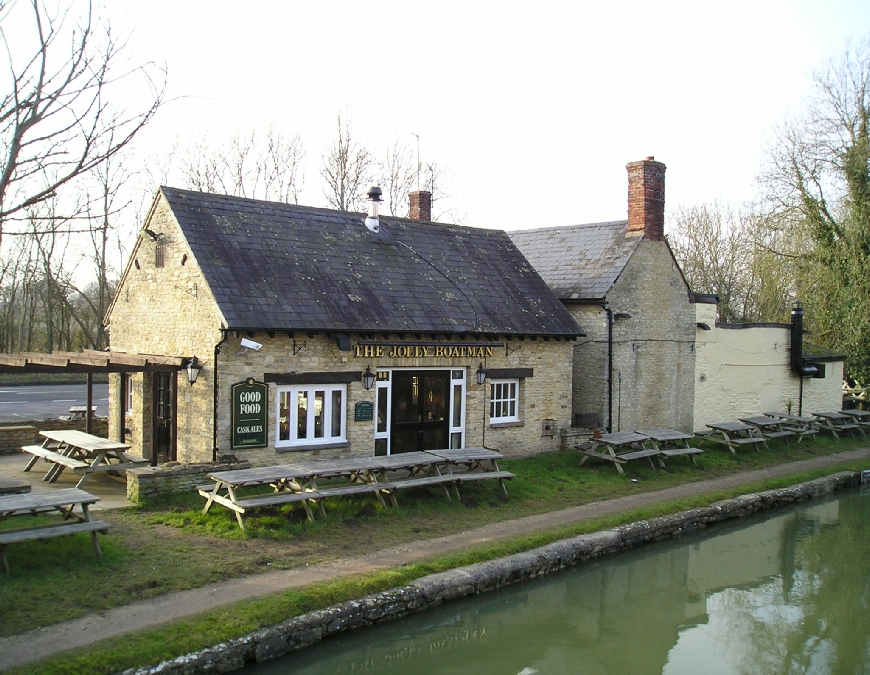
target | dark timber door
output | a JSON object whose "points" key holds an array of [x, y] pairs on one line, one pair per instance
{"points": [[164, 418], [421, 403]]}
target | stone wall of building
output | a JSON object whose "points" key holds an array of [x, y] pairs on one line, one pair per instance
{"points": [[166, 310], [589, 406], [744, 371], [653, 348], [544, 396]]}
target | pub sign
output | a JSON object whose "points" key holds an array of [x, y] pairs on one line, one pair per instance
{"points": [[250, 403]]}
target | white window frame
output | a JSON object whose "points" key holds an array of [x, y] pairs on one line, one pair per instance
{"points": [[292, 392], [504, 397]]}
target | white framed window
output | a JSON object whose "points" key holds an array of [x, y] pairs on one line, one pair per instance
{"points": [[504, 401], [311, 414]]}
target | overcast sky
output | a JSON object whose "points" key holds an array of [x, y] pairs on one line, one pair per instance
{"points": [[535, 107]]}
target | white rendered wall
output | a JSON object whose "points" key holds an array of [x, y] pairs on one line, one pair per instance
{"points": [[745, 372]]}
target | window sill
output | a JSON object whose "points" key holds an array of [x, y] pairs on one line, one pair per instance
{"points": [[504, 425], [314, 446]]}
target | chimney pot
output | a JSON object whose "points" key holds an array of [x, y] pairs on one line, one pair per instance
{"points": [[421, 206], [646, 199]]}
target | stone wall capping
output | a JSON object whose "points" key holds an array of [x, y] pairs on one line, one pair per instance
{"points": [[436, 589]]}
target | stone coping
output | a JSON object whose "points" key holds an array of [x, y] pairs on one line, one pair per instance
{"points": [[436, 589]]}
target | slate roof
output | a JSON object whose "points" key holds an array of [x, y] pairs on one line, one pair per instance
{"points": [[579, 262], [274, 266]]}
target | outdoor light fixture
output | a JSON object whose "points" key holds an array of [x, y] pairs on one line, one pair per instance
{"points": [[368, 378], [193, 368], [481, 374]]}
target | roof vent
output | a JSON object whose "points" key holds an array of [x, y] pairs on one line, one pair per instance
{"points": [[372, 221]]}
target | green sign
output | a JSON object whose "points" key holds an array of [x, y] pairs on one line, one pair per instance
{"points": [[364, 411], [250, 404]]}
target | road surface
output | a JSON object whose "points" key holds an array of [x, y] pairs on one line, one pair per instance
{"points": [[48, 401]]}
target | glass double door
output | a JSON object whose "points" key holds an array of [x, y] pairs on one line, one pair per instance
{"points": [[420, 411]]}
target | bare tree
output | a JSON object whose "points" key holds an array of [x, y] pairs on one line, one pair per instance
{"points": [[251, 165], [399, 176], [818, 174], [57, 120], [745, 257], [347, 168]]}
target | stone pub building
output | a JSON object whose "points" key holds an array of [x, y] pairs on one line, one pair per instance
{"points": [[332, 334]]}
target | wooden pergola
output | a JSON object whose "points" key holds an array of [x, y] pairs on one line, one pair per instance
{"points": [[89, 362]]}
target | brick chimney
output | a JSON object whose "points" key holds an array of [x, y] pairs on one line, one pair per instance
{"points": [[421, 206], [646, 199]]}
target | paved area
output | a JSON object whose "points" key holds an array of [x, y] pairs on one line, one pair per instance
{"points": [[112, 490], [45, 642]]}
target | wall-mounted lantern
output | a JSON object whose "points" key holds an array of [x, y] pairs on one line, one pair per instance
{"points": [[481, 374], [193, 368], [368, 378]]}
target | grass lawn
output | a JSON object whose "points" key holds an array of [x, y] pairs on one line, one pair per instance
{"points": [[171, 545]]}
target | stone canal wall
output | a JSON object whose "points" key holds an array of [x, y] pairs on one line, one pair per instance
{"points": [[436, 589]]}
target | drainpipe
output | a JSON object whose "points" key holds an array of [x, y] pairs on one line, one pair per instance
{"points": [[217, 350], [609, 368]]}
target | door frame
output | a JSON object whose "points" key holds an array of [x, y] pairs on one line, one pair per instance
{"points": [[457, 378], [172, 450]]}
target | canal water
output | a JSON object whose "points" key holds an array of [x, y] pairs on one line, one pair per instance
{"points": [[783, 592]]}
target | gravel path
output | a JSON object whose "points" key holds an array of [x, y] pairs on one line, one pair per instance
{"points": [[44, 642]]}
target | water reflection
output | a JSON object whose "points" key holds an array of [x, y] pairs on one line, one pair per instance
{"points": [[779, 594]]}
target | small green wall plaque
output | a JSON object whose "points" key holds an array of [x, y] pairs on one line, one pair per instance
{"points": [[364, 411]]}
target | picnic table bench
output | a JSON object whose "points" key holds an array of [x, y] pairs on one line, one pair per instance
{"points": [[415, 469], [672, 443], [734, 435], [83, 453], [770, 427], [478, 464], [620, 448], [284, 481], [799, 424], [837, 422], [860, 417], [77, 412], [62, 501], [314, 481], [14, 486]]}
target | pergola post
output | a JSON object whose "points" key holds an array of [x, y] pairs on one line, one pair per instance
{"points": [[88, 414]]}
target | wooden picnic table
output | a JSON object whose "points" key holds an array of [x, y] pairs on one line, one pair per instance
{"points": [[77, 412], [318, 479], [621, 447], [770, 427], [359, 474], [800, 424], [81, 452], [860, 417], [836, 422], [415, 469], [62, 501], [14, 486], [284, 481], [734, 435], [478, 464], [672, 443]]}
